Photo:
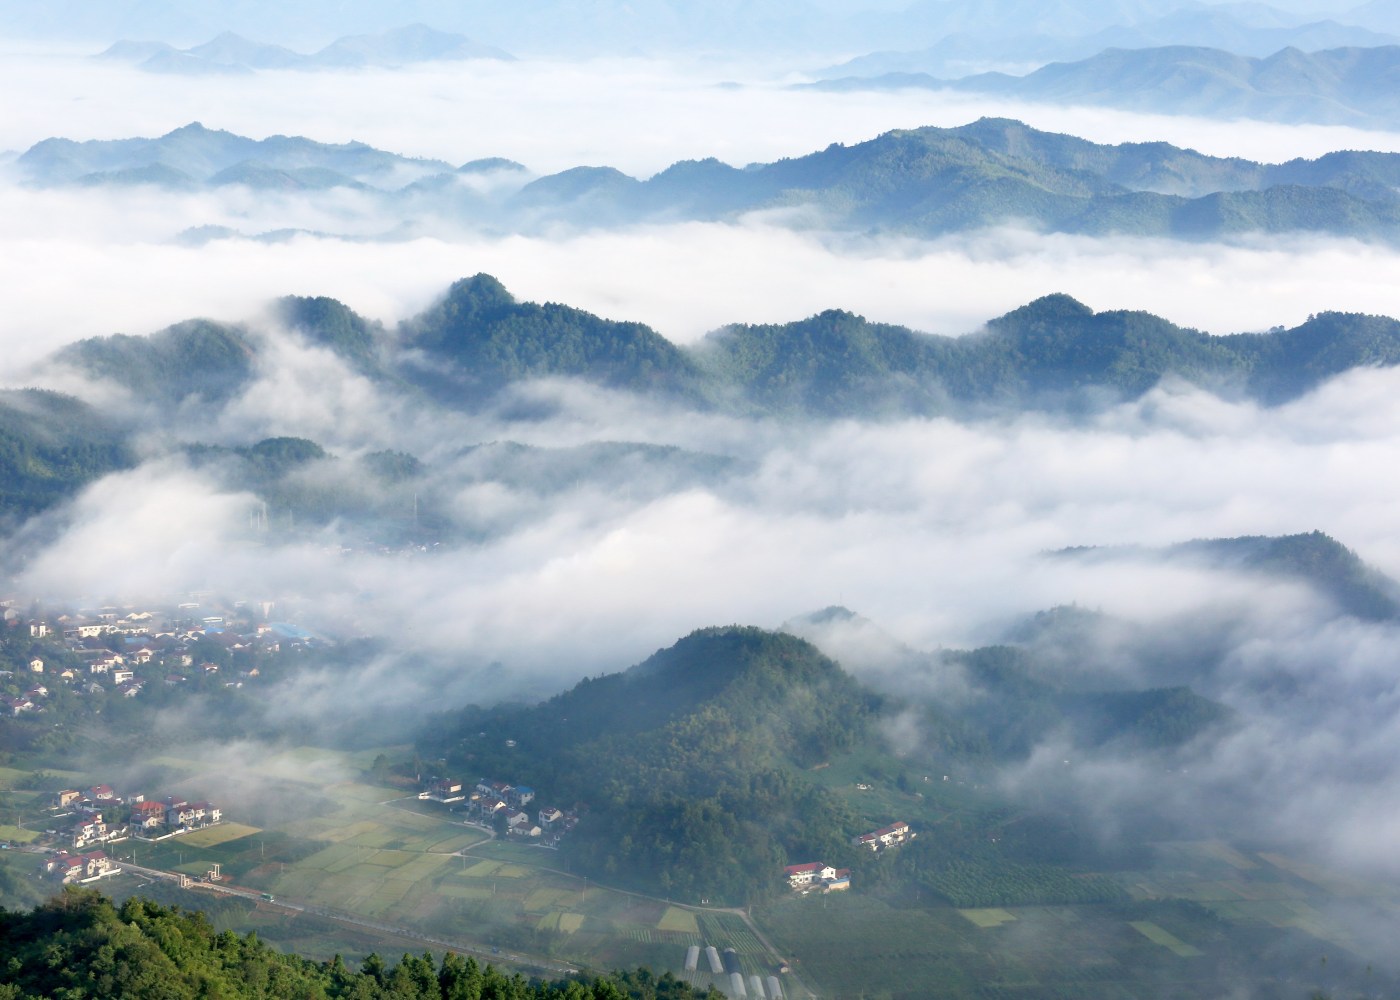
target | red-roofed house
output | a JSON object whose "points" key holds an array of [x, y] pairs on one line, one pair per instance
{"points": [[805, 874], [148, 815]]}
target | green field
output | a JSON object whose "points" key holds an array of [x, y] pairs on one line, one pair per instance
{"points": [[314, 835], [679, 921], [1167, 940], [222, 834], [988, 917]]}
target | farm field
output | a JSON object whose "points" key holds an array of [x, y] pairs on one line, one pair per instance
{"points": [[313, 829], [316, 832], [1205, 911]]}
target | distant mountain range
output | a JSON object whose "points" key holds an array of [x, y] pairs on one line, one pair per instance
{"points": [[922, 182], [989, 32], [195, 156], [1054, 353], [1252, 30], [1343, 86], [478, 346], [232, 53]]}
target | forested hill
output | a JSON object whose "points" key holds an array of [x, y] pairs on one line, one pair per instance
{"points": [[697, 770], [52, 445], [1314, 558], [690, 763], [479, 339], [1054, 352], [471, 350], [79, 945]]}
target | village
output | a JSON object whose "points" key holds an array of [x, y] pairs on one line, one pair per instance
{"points": [[122, 651], [99, 816], [818, 876], [501, 807]]}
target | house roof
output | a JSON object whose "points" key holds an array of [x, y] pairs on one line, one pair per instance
{"points": [[811, 866]]}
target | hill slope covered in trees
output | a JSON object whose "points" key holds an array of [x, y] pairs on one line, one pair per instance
{"points": [[79, 945]]}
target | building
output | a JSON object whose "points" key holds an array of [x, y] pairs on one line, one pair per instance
{"points": [[817, 875], [890, 836]]}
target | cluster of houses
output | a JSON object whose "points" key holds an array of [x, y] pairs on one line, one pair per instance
{"points": [[112, 649], [91, 811], [95, 810], [885, 837], [80, 867], [489, 799], [29, 701], [817, 876]]}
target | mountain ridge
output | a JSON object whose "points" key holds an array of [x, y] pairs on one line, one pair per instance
{"points": [[922, 182], [1342, 86]]}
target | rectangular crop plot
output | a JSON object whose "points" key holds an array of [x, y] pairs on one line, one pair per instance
{"points": [[676, 919], [988, 917], [224, 833], [455, 891], [17, 835], [1224, 852], [547, 899], [483, 869], [1165, 938], [567, 923]]}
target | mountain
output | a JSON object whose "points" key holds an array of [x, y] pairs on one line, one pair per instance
{"points": [[994, 172], [1344, 86], [479, 339], [331, 324], [404, 46], [690, 762], [196, 359], [921, 182], [1315, 558], [196, 154], [51, 446], [1331, 569], [1054, 352], [1227, 27], [701, 767], [232, 53]]}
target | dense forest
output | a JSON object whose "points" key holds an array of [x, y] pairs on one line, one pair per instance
{"points": [[689, 763], [52, 445], [696, 767], [80, 945]]}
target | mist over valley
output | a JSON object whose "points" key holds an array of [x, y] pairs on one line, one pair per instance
{"points": [[561, 493]]}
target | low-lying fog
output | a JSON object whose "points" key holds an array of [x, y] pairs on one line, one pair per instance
{"points": [[931, 528]]}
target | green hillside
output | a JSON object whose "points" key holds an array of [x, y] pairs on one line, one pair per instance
{"points": [[196, 358], [51, 446], [480, 338], [80, 945]]}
